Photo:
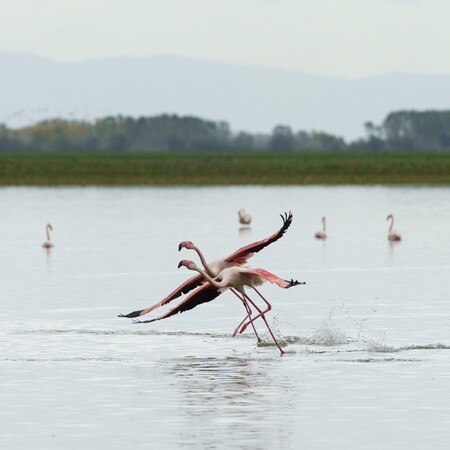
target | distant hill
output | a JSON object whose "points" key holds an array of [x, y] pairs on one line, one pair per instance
{"points": [[250, 98]]}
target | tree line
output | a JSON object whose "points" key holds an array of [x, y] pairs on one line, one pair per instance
{"points": [[400, 130]]}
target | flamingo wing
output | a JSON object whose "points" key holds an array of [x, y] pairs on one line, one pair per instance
{"points": [[241, 255], [285, 284], [203, 294], [186, 287]]}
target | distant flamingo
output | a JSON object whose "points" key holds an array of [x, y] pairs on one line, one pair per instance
{"points": [[244, 218], [322, 233], [48, 243], [238, 258], [393, 235], [231, 277]]}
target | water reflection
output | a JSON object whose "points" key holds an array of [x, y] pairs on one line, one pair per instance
{"points": [[392, 245], [244, 230], [48, 258], [237, 402]]}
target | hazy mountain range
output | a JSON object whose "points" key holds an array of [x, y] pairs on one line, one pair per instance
{"points": [[248, 97]]}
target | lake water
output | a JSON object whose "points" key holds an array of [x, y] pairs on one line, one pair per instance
{"points": [[367, 338]]}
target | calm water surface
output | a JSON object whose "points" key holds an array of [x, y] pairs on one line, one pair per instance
{"points": [[368, 336]]}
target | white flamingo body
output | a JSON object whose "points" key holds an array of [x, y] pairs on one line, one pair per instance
{"points": [[244, 217], [321, 234], [48, 243], [393, 235]]}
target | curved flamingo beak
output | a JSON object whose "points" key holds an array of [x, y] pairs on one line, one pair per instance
{"points": [[184, 262], [180, 247]]}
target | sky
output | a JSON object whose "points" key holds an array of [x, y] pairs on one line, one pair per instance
{"points": [[343, 38]]}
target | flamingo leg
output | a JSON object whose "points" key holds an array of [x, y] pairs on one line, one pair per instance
{"points": [[261, 313], [248, 316], [267, 325]]}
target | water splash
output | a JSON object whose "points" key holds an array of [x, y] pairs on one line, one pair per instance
{"points": [[379, 347], [327, 334]]}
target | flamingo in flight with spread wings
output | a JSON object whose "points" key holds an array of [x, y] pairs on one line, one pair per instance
{"points": [[238, 258], [231, 277]]}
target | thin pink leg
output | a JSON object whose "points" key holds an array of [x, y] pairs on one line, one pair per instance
{"points": [[248, 316], [261, 313], [267, 325], [269, 307]]}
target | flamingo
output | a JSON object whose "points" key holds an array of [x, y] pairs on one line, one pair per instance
{"points": [[48, 243], [238, 258], [321, 234], [232, 277], [393, 235], [244, 218]]}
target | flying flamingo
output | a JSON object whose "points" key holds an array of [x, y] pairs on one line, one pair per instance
{"points": [[48, 243], [238, 258], [321, 234], [393, 235], [213, 270], [231, 277], [244, 218]]}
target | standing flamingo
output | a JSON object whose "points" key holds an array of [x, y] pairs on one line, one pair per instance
{"points": [[238, 258], [393, 235], [244, 218], [48, 243], [231, 277], [321, 234]]}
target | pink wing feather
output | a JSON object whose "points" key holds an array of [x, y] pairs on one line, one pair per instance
{"points": [[203, 294], [184, 288], [241, 255], [285, 284]]}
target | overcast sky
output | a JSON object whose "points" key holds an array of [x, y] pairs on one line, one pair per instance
{"points": [[348, 38]]}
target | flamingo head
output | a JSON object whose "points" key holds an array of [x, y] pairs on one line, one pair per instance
{"points": [[390, 216], [186, 263], [186, 244], [323, 219], [49, 225]]}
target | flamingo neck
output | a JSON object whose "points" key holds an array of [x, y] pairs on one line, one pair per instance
{"points": [[392, 223], [47, 229], [324, 224], [203, 260], [213, 282]]}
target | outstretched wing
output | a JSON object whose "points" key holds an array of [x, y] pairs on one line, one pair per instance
{"points": [[186, 287], [203, 294], [241, 256], [285, 284]]}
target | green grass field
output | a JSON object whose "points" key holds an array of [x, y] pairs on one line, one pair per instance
{"points": [[150, 168]]}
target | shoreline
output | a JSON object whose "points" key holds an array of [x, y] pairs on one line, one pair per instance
{"points": [[224, 168]]}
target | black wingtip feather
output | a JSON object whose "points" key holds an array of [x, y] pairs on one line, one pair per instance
{"points": [[131, 314], [293, 283], [287, 220], [135, 321]]}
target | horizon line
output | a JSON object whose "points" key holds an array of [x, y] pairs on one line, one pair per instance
{"points": [[218, 61]]}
